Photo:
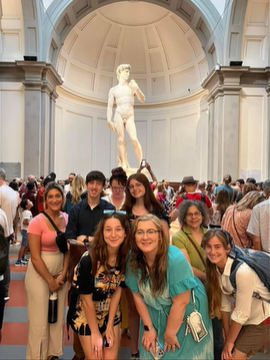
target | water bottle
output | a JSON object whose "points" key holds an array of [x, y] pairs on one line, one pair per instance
{"points": [[52, 311]]}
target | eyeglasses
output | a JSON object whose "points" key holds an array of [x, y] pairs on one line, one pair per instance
{"points": [[138, 185], [122, 212], [117, 188], [149, 232], [197, 214]]}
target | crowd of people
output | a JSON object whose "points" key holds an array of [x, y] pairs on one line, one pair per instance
{"points": [[106, 246]]}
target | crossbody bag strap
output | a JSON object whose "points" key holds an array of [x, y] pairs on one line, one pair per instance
{"points": [[236, 228], [195, 247], [51, 221]]}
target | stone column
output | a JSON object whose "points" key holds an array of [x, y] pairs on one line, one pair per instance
{"points": [[268, 129], [224, 88], [40, 83]]}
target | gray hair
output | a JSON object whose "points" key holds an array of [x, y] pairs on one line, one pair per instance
{"points": [[266, 186], [2, 174], [186, 204]]}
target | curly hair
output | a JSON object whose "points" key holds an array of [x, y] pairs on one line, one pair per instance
{"points": [[186, 204], [138, 264], [119, 175], [98, 248], [212, 286], [149, 197]]}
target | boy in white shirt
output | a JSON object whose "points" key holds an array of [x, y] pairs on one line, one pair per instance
{"points": [[26, 216]]}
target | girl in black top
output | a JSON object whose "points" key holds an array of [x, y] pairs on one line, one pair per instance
{"points": [[94, 311]]}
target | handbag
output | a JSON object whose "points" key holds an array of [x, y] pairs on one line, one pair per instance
{"points": [[60, 239], [195, 247], [194, 323]]}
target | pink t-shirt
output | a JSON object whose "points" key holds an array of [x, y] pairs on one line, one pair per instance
{"points": [[38, 226]]}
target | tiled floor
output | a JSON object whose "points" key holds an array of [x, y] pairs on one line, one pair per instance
{"points": [[14, 332]]}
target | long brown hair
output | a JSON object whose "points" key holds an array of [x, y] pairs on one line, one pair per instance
{"points": [[98, 248], [212, 286], [138, 264], [223, 201], [249, 200], [149, 198]]}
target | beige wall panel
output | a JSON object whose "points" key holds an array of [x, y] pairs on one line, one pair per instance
{"points": [[104, 84], [196, 44], [102, 147], [184, 148], [11, 9], [181, 81], [254, 48], [259, 13], [155, 62], [108, 61], [158, 86], [70, 41], [251, 134], [61, 66], [158, 148], [113, 38], [88, 53], [11, 44], [132, 50], [12, 123], [203, 69], [76, 151], [81, 78], [151, 38], [32, 38]]}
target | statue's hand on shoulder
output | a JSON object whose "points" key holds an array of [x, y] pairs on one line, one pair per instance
{"points": [[111, 125], [134, 86]]}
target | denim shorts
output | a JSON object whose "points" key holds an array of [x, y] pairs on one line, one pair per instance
{"points": [[24, 237]]}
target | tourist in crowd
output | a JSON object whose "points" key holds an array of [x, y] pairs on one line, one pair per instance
{"points": [[193, 220], [94, 312], [237, 217], [46, 273], [220, 205], [226, 185], [76, 193], [117, 183], [163, 294], [246, 327]]}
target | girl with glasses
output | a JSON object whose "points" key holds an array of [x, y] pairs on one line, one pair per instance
{"points": [[161, 281], [94, 312], [118, 182]]}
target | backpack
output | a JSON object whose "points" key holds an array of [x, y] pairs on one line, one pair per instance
{"points": [[259, 261], [202, 197], [4, 251]]}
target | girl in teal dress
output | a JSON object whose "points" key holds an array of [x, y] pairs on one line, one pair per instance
{"points": [[161, 281]]}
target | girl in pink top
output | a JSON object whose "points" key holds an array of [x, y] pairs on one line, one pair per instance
{"points": [[46, 273]]}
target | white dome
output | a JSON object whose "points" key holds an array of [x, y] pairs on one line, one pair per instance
{"points": [[166, 56]]}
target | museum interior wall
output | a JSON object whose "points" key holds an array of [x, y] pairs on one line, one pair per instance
{"points": [[192, 123]]}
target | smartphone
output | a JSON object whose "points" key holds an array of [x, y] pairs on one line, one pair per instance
{"points": [[143, 163], [105, 342], [159, 351]]}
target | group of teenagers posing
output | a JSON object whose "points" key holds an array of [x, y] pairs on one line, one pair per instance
{"points": [[129, 253]]}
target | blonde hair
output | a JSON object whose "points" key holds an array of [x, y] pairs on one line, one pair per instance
{"points": [[77, 188], [249, 200]]}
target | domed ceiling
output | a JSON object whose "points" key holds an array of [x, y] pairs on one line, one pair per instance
{"points": [[166, 56]]}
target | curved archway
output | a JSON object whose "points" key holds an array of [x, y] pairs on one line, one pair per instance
{"points": [[61, 16]]}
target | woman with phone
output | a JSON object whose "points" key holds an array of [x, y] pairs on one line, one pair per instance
{"points": [[94, 312], [163, 285]]}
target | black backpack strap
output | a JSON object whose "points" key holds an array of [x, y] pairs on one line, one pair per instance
{"points": [[236, 263], [184, 197], [51, 221], [202, 197]]}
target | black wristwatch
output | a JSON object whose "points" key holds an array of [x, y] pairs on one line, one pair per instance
{"points": [[148, 328]]}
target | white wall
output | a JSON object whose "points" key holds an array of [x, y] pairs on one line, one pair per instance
{"points": [[173, 139], [254, 130]]}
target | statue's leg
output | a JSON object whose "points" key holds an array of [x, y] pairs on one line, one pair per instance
{"points": [[121, 144], [131, 130]]}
